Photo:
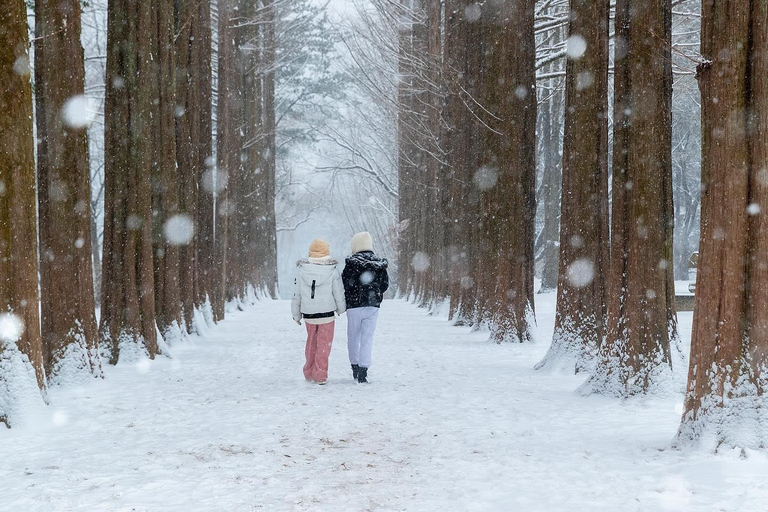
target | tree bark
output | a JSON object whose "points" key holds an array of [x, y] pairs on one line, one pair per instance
{"points": [[204, 165], [580, 319], [128, 295], [227, 152], [269, 171], [169, 228], [21, 352], [507, 173], [68, 320], [725, 401], [192, 30], [408, 223], [636, 357], [463, 56]]}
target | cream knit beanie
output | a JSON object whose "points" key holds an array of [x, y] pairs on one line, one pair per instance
{"points": [[362, 242], [319, 248]]}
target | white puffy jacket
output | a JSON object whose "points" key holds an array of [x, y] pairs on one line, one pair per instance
{"points": [[318, 291]]}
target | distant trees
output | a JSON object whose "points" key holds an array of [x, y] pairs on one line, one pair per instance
{"points": [[467, 163], [725, 401], [246, 243], [21, 351]]}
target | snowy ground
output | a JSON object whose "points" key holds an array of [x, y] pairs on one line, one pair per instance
{"points": [[450, 422]]}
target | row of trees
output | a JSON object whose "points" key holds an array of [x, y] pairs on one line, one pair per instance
{"points": [[186, 228], [468, 188]]}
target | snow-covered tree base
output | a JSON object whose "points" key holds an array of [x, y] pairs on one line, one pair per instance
{"points": [[507, 330], [130, 348], [739, 422], [77, 365], [174, 334], [614, 377], [568, 354], [20, 398]]}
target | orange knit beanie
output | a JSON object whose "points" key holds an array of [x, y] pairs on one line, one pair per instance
{"points": [[319, 248]]}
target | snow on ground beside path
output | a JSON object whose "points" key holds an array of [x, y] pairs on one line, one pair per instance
{"points": [[450, 422]]}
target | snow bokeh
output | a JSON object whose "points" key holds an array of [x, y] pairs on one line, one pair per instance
{"points": [[79, 112], [486, 178], [420, 261], [581, 273], [575, 47], [179, 229], [11, 328]]}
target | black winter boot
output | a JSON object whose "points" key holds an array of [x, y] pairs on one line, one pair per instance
{"points": [[355, 371], [362, 373]]}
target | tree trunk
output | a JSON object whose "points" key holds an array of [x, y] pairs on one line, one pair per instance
{"points": [[204, 165], [128, 297], [405, 169], [507, 174], [227, 153], [551, 167], [725, 403], [463, 56], [580, 319], [21, 352], [170, 230], [68, 320], [636, 357], [269, 171], [192, 32]]}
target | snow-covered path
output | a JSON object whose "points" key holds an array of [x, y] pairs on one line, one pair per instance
{"points": [[449, 422]]}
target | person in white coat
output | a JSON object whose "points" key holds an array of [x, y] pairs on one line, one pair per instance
{"points": [[317, 297]]}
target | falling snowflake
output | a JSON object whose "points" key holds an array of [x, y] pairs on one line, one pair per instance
{"points": [[581, 273], [486, 178], [179, 229], [420, 262], [79, 112], [11, 328], [575, 47], [473, 12]]}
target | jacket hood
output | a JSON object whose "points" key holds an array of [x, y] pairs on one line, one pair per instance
{"points": [[317, 261], [367, 259], [318, 272], [361, 242]]}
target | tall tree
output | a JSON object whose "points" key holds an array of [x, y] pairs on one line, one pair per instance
{"points": [[186, 27], [170, 229], [68, 319], [199, 112], [21, 354], [128, 295], [228, 148], [580, 319], [406, 168], [268, 261], [463, 57], [725, 403], [507, 173], [637, 355]]}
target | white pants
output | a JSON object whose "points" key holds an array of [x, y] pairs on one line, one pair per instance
{"points": [[361, 323]]}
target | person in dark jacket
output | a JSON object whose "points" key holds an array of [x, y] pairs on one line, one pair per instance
{"points": [[365, 281]]}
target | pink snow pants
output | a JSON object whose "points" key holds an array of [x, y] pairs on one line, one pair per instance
{"points": [[319, 340]]}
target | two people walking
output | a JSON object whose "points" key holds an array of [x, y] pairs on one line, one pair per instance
{"points": [[321, 293]]}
